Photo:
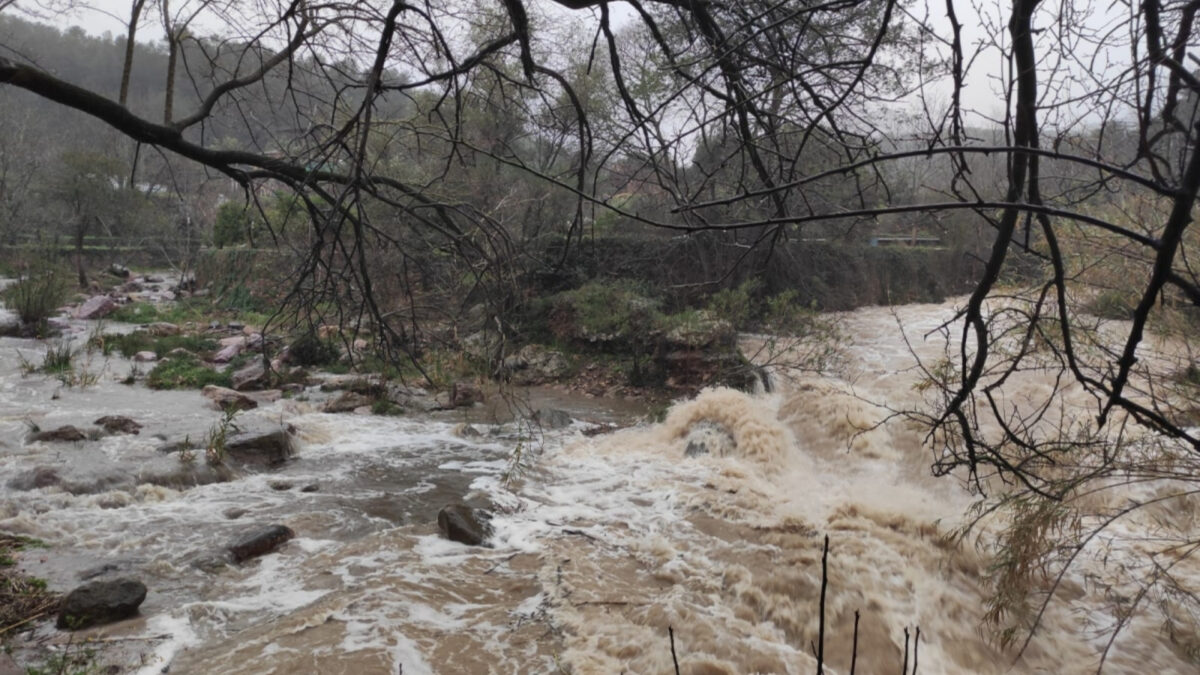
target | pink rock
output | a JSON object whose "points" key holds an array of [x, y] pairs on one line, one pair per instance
{"points": [[143, 357], [360, 345], [95, 307], [235, 340], [226, 399], [228, 353]]}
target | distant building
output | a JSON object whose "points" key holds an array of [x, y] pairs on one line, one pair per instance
{"points": [[904, 240]]}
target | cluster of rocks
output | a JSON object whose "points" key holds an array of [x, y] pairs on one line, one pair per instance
{"points": [[111, 595], [116, 598], [68, 433]]}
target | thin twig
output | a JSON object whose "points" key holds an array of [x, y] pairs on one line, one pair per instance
{"points": [[854, 645], [821, 624], [674, 658], [916, 646]]}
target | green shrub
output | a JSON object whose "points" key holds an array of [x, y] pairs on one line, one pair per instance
{"points": [[784, 313], [58, 359], [603, 311], [135, 312], [185, 372], [232, 225], [37, 296], [736, 305], [1113, 304], [140, 341], [310, 350], [383, 406]]}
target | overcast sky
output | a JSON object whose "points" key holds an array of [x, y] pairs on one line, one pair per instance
{"points": [[982, 22]]}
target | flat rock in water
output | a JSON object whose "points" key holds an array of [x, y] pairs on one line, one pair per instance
{"points": [[101, 602], [118, 424], [228, 399], [63, 434], [347, 401], [552, 418], [260, 542], [263, 447], [464, 524], [96, 307]]}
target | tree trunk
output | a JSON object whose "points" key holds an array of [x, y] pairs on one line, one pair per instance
{"points": [[134, 14], [79, 232], [172, 54]]}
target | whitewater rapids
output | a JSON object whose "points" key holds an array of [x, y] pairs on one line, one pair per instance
{"points": [[601, 543]]}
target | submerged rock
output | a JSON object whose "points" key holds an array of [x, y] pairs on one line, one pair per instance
{"points": [[464, 430], [464, 524], [709, 438], [38, 477], [101, 602], [63, 434], [118, 424], [552, 418], [260, 542]]}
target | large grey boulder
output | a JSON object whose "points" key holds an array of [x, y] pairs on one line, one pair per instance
{"points": [[101, 602], [252, 376], [271, 448], [536, 364], [466, 525], [552, 418]]}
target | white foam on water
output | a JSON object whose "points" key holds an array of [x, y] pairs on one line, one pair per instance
{"points": [[181, 637]]}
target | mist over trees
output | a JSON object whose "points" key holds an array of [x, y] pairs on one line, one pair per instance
{"points": [[418, 157]]}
